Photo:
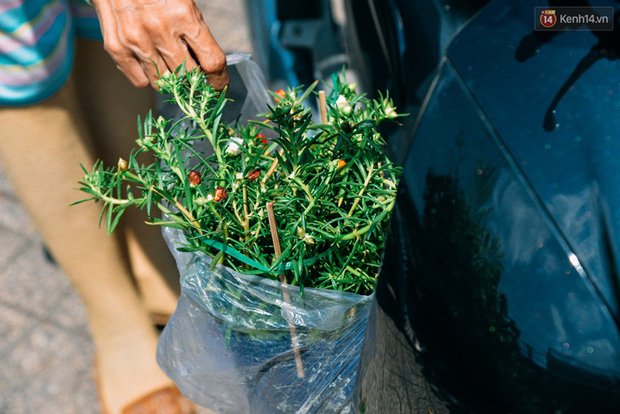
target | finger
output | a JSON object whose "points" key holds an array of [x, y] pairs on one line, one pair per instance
{"points": [[126, 62], [132, 69], [153, 67], [211, 58], [176, 55], [219, 80]]}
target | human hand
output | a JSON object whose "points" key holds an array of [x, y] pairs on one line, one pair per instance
{"points": [[139, 34]]}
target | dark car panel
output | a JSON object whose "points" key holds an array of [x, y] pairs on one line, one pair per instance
{"points": [[500, 286]]}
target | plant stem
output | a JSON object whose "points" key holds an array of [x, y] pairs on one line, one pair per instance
{"points": [[246, 214], [236, 212], [182, 209], [361, 193], [269, 173], [305, 188]]}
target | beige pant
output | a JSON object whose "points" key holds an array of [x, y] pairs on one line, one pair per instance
{"points": [[41, 147]]}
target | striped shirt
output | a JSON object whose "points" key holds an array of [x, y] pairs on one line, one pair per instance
{"points": [[37, 46]]}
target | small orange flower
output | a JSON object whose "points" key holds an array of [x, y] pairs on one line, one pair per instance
{"points": [[254, 175], [341, 163], [281, 94], [194, 178], [220, 194]]}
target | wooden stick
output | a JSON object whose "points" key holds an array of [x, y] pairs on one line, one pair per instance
{"points": [[323, 107], [287, 298]]}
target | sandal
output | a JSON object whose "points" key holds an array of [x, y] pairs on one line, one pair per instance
{"points": [[165, 400]]}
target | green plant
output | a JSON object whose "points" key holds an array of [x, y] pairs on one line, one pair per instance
{"points": [[331, 185]]}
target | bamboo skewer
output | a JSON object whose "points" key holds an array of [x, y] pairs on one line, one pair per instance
{"points": [[287, 298], [323, 107]]}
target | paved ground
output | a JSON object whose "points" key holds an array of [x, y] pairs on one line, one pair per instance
{"points": [[46, 350]]}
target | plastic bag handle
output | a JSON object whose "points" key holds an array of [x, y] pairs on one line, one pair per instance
{"points": [[254, 80]]}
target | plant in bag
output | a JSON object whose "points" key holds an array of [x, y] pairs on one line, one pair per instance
{"points": [[323, 191], [331, 185]]}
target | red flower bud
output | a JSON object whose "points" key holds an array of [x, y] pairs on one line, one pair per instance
{"points": [[254, 175], [263, 140], [194, 178], [220, 194]]}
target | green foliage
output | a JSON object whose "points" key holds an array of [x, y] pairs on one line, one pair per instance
{"points": [[331, 185]]}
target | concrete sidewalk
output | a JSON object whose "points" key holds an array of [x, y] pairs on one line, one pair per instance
{"points": [[46, 350]]}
